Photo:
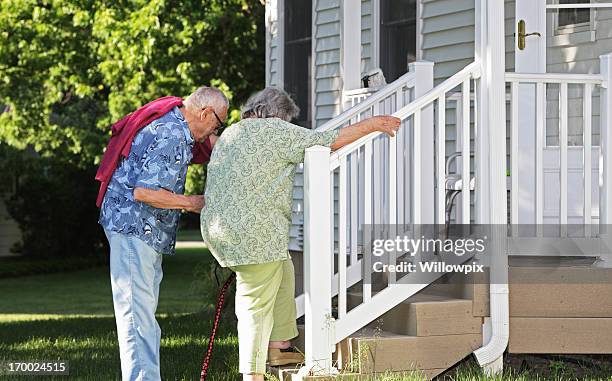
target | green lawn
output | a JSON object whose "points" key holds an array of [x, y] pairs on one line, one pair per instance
{"points": [[69, 316]]}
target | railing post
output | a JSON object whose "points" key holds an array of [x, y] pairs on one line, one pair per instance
{"points": [[424, 81], [318, 257], [605, 167]]}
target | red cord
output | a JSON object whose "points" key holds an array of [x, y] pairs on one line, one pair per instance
{"points": [[211, 341]]}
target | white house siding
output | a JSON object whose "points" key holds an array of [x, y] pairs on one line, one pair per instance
{"points": [[367, 36], [447, 35], [327, 83]]}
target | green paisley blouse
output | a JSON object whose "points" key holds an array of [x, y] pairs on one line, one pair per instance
{"points": [[249, 189]]}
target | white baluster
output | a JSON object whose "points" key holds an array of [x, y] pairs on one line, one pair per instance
{"points": [[465, 152], [514, 172], [563, 114], [354, 211], [342, 191], [587, 145], [540, 141], [416, 171], [367, 219], [440, 159]]}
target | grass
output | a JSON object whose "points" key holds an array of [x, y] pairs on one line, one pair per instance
{"points": [[69, 316], [189, 235]]}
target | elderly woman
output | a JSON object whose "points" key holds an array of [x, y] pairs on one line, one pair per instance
{"points": [[247, 215]]}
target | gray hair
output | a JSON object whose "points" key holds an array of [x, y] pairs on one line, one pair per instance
{"points": [[207, 97], [270, 102]]}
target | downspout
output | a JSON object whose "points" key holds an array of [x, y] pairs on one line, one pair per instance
{"points": [[490, 50]]}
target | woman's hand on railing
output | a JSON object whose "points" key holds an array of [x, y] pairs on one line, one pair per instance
{"points": [[384, 123]]}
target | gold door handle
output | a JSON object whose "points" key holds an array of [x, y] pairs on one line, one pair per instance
{"points": [[522, 34]]}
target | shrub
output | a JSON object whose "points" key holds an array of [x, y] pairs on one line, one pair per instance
{"points": [[54, 205]]}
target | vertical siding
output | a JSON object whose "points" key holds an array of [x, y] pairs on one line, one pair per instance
{"points": [[327, 81]]}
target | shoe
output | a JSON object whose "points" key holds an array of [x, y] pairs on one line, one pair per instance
{"points": [[278, 357]]}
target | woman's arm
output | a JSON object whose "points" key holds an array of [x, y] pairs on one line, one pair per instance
{"points": [[387, 124]]}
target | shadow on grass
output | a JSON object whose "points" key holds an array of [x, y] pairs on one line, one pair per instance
{"points": [[90, 345]]}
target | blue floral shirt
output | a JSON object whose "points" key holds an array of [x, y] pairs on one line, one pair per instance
{"points": [[158, 159]]}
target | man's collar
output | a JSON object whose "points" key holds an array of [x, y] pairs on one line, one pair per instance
{"points": [[179, 115]]}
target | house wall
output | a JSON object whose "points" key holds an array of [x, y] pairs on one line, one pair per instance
{"points": [[447, 39], [327, 81], [447, 35], [367, 36]]}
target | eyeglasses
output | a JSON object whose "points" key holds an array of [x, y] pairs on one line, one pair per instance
{"points": [[221, 125]]}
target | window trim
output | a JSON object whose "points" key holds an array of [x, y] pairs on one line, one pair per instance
{"points": [[572, 28], [376, 35], [376, 32], [283, 54]]}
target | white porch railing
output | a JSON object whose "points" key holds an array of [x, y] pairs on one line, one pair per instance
{"points": [[366, 103], [379, 181], [577, 198]]}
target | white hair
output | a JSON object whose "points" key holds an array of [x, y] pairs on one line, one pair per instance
{"points": [[207, 97], [270, 102]]}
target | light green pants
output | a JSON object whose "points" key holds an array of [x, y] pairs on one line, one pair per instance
{"points": [[265, 307]]}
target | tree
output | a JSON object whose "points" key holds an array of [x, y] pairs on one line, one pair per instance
{"points": [[68, 69]]}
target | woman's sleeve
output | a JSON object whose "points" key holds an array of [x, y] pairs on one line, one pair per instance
{"points": [[295, 139]]}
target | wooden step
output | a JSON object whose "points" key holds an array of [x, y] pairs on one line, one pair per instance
{"points": [[426, 374], [379, 356], [560, 335], [410, 353], [560, 292], [426, 315], [283, 373]]}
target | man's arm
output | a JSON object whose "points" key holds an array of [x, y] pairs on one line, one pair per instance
{"points": [[164, 199], [386, 124]]}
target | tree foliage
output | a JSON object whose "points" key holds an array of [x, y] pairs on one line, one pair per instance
{"points": [[68, 69]]}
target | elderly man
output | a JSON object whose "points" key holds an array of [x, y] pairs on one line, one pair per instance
{"points": [[141, 202]]}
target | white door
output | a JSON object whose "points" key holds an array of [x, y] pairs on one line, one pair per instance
{"points": [[531, 58]]}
